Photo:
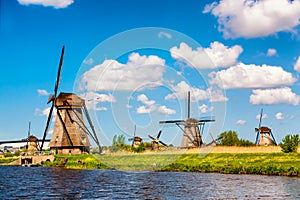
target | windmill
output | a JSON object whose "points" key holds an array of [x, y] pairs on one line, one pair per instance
{"points": [[32, 141], [70, 132], [193, 128], [264, 135], [155, 141], [136, 140]]}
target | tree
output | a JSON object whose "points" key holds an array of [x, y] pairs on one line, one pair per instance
{"points": [[290, 143], [228, 138], [118, 143]]}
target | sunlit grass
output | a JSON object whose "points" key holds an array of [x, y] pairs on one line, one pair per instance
{"points": [[234, 163]]}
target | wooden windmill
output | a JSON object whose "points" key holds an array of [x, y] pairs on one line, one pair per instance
{"points": [[136, 140], [32, 141], [264, 135], [155, 141], [193, 129], [70, 134]]}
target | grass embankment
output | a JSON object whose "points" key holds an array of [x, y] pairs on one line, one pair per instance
{"points": [[5, 160], [281, 164]]}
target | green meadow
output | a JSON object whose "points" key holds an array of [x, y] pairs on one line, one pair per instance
{"points": [[280, 164]]}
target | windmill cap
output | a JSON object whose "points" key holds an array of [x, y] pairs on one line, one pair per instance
{"points": [[68, 99]]}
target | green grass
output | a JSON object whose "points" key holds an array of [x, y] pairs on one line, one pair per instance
{"points": [[258, 163], [281, 164]]}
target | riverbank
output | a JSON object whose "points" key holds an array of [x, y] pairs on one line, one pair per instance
{"points": [[279, 164]]}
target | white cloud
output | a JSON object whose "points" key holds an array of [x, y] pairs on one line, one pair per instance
{"points": [[93, 98], [271, 52], [164, 35], [148, 106], [139, 72], [144, 99], [274, 96], [251, 18], [42, 92], [145, 109], [279, 116], [240, 122], [54, 3], [264, 116], [297, 65], [181, 89], [165, 110], [101, 109], [205, 108], [89, 61], [217, 55], [251, 76]]}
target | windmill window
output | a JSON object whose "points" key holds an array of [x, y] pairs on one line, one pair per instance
{"points": [[56, 139]]}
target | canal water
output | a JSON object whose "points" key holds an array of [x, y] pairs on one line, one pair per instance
{"points": [[58, 183]]}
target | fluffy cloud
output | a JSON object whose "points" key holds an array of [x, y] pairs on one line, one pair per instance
{"points": [[145, 109], [138, 73], [144, 99], [54, 3], [297, 65], [240, 122], [274, 96], [252, 76], [165, 110], [89, 61], [42, 92], [92, 99], [181, 89], [271, 52], [148, 106], [264, 116], [205, 108], [217, 55], [164, 35], [251, 18], [279, 116]]}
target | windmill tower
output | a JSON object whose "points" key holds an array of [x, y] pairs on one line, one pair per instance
{"points": [[70, 134], [32, 141], [264, 134], [193, 129], [155, 141], [136, 140]]}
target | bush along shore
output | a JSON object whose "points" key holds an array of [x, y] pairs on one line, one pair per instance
{"points": [[279, 164]]}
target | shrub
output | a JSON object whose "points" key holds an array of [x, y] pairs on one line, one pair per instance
{"points": [[290, 143], [229, 138]]}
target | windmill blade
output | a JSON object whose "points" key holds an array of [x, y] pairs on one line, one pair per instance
{"points": [[163, 143], [134, 131], [170, 121], [29, 129], [151, 137], [47, 125], [59, 70], [158, 135], [274, 141], [259, 125], [257, 136], [130, 139], [189, 105]]}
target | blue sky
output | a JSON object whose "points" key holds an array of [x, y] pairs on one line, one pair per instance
{"points": [[133, 61]]}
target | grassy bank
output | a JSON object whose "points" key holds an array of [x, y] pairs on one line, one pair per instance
{"points": [[6, 160], [234, 163], [280, 164]]}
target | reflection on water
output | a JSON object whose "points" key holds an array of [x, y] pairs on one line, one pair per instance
{"points": [[57, 183]]}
